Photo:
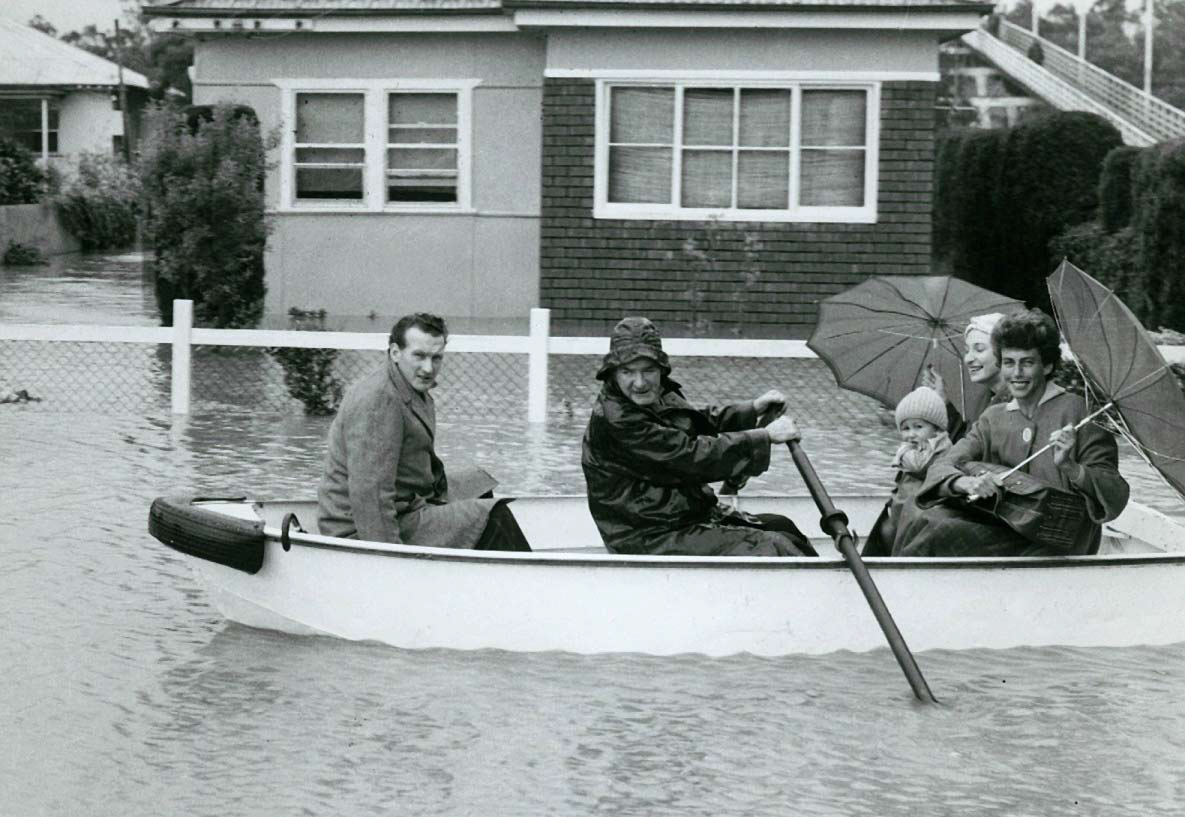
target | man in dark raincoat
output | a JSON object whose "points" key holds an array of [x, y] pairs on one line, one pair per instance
{"points": [[648, 456], [382, 480], [1083, 461]]}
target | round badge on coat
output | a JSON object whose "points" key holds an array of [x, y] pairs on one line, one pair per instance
{"points": [[1027, 435]]}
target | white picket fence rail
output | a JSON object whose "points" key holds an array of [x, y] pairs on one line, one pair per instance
{"points": [[537, 345]]}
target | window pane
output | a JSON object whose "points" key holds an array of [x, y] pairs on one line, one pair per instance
{"points": [[765, 118], [337, 156], [642, 115], [329, 118], [20, 114], [707, 178], [639, 175], [421, 136], [422, 109], [833, 118], [421, 189], [707, 116], [763, 180], [832, 178], [328, 183], [422, 158]]}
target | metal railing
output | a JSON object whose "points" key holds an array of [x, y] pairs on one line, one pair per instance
{"points": [[1154, 117], [1052, 88]]}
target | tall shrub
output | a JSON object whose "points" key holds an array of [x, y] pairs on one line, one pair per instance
{"points": [[100, 203], [1158, 219], [1050, 177], [1002, 195], [1112, 258], [203, 194], [1115, 188], [20, 179], [978, 231]]}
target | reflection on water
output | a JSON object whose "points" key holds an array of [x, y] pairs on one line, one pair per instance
{"points": [[123, 692]]}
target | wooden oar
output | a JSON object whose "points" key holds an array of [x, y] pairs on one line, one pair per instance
{"points": [[835, 524]]}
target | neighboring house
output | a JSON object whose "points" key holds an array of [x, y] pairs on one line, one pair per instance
{"points": [[719, 165], [58, 100]]}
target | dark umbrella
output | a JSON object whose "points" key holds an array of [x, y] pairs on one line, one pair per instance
{"points": [[879, 336], [1123, 369]]}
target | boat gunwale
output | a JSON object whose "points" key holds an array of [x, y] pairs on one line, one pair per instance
{"points": [[630, 560]]}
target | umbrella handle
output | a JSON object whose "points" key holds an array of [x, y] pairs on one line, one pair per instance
{"points": [[1048, 446]]}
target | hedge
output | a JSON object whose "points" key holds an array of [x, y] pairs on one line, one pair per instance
{"points": [[1137, 245], [204, 213], [1001, 196]]}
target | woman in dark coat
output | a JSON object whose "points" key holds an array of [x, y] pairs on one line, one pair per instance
{"points": [[648, 456]]}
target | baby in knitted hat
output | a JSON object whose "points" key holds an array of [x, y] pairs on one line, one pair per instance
{"points": [[922, 422]]}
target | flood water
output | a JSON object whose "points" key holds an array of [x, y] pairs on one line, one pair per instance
{"points": [[123, 692]]}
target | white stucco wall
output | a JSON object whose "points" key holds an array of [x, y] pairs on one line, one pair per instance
{"points": [[481, 264], [744, 50], [86, 122]]}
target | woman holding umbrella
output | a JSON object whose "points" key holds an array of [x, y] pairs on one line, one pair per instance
{"points": [[983, 369]]}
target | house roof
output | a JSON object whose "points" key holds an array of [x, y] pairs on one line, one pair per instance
{"points": [[30, 58], [304, 8]]}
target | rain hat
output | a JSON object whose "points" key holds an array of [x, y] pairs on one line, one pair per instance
{"points": [[631, 339]]}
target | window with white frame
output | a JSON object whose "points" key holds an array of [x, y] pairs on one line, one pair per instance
{"points": [[376, 145], [787, 151], [21, 120], [329, 152], [422, 147]]}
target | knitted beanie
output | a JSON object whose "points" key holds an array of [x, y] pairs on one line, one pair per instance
{"points": [[922, 404]]}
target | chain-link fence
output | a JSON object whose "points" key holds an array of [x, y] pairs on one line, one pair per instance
{"points": [[117, 377]]}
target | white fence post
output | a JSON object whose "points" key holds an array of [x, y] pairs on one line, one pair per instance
{"points": [[537, 365], [182, 331]]}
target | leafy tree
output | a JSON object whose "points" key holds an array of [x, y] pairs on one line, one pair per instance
{"points": [[41, 24], [1115, 40]]}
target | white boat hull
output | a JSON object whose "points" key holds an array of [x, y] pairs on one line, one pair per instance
{"points": [[588, 602]]}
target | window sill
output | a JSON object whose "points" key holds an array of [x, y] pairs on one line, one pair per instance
{"points": [[807, 215], [423, 210]]}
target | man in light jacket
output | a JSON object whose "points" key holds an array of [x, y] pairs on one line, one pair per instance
{"points": [[382, 480]]}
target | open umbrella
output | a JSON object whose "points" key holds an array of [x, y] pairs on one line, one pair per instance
{"points": [[1124, 371], [880, 335]]}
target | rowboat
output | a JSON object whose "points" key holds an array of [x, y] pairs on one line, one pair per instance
{"points": [[262, 570]]}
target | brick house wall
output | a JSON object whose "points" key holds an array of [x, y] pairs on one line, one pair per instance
{"points": [[722, 279]]}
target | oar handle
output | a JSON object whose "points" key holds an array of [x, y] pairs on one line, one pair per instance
{"points": [[835, 523], [1048, 446]]}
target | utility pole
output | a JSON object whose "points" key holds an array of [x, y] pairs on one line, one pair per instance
{"points": [[123, 96], [1148, 23], [1036, 19], [1082, 34]]}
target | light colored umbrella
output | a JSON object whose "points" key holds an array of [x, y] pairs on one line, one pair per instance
{"points": [[1123, 370], [880, 335]]}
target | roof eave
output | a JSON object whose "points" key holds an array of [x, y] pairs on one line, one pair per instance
{"points": [[804, 7], [303, 14]]}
